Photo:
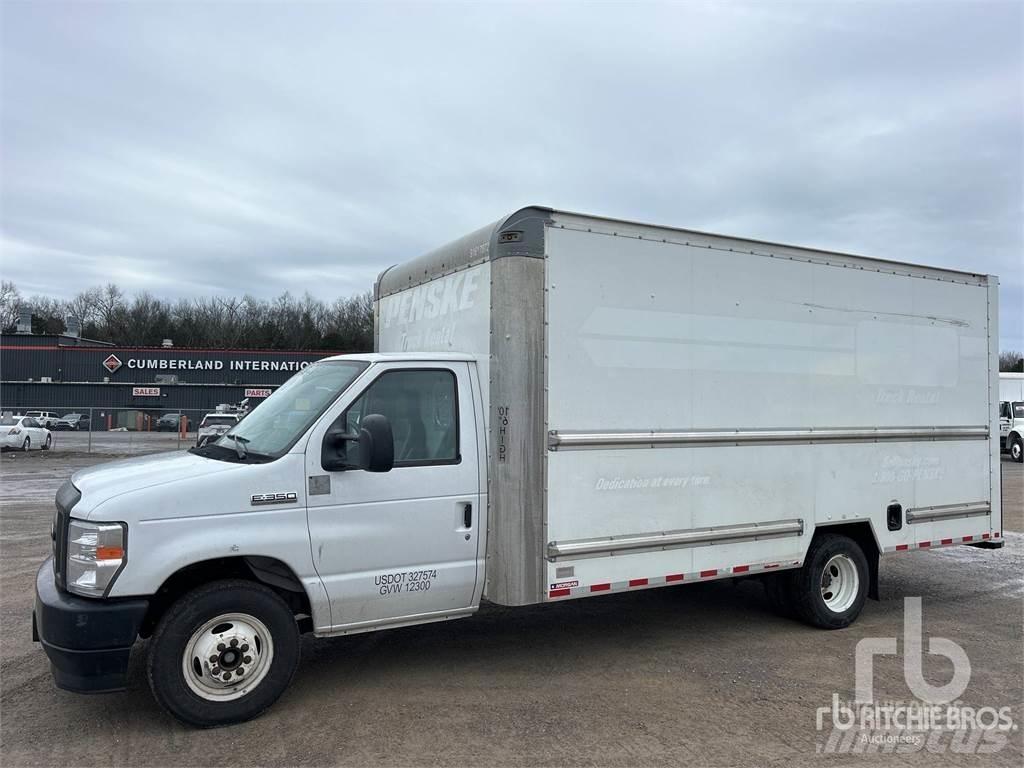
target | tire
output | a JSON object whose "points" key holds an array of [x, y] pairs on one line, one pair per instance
{"points": [[243, 611], [1017, 449], [830, 589], [49, 443], [27, 445]]}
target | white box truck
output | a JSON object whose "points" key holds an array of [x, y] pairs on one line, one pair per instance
{"points": [[1011, 414], [560, 406]]}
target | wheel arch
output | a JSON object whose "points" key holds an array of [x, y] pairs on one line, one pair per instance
{"points": [[269, 571], [862, 532]]}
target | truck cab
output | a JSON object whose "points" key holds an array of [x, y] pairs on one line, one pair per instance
{"points": [[1011, 429], [350, 499]]}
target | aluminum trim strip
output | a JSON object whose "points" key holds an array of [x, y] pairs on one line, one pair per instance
{"points": [[657, 439], [637, 542], [948, 512]]}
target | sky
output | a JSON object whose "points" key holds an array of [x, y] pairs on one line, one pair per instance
{"points": [[195, 149]]}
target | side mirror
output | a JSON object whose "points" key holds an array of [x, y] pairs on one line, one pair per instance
{"points": [[374, 452], [376, 444]]}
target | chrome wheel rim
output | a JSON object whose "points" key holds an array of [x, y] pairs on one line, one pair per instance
{"points": [[839, 583], [1015, 450], [227, 657], [27, 445]]}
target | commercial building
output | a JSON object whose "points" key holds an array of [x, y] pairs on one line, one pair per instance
{"points": [[69, 373]]}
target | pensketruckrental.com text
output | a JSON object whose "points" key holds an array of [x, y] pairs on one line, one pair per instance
{"points": [[550, 415]]}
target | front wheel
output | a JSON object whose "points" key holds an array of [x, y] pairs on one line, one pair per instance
{"points": [[49, 443], [223, 653], [1017, 449], [830, 589]]}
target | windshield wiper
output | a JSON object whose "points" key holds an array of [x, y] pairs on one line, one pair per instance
{"points": [[240, 442]]}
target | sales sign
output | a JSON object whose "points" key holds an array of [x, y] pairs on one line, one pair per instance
{"points": [[145, 391]]}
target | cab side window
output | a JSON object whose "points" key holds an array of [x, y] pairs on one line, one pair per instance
{"points": [[422, 406], [1004, 411]]}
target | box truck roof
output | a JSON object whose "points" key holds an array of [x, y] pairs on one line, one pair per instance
{"points": [[522, 234]]}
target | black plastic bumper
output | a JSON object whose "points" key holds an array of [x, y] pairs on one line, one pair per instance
{"points": [[87, 641]]}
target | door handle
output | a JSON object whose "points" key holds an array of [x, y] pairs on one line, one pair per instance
{"points": [[467, 515]]}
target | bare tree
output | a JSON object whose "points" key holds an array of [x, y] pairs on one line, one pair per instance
{"points": [[1011, 361], [285, 322], [84, 306], [10, 300]]}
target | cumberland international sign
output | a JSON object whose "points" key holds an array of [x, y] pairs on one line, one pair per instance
{"points": [[113, 363]]}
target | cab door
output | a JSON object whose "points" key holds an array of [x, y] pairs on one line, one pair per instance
{"points": [[1005, 422], [402, 545]]}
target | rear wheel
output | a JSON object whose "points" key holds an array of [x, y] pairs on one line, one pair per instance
{"points": [[830, 589], [1017, 449], [49, 442], [27, 445], [223, 653]]}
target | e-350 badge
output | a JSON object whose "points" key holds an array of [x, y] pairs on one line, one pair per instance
{"points": [[259, 499]]}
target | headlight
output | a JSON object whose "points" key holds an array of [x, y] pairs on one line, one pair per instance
{"points": [[95, 555]]}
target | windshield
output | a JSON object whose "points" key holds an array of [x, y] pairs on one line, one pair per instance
{"points": [[272, 428]]}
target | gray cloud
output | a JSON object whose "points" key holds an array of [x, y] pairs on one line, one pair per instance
{"points": [[193, 149]]}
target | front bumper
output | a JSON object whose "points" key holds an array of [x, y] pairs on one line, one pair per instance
{"points": [[88, 641]]}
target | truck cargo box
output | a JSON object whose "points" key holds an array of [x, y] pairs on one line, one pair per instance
{"points": [[667, 406]]}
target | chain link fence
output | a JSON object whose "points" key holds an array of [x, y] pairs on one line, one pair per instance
{"points": [[115, 431]]}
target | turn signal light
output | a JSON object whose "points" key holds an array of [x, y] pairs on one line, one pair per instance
{"points": [[109, 553]]}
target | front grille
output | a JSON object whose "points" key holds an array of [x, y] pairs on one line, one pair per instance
{"points": [[67, 497]]}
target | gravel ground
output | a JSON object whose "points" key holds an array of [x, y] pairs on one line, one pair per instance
{"points": [[698, 675]]}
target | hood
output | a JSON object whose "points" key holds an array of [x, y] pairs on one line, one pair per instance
{"points": [[107, 481]]}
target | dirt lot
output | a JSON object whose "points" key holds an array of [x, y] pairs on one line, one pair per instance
{"points": [[701, 675]]}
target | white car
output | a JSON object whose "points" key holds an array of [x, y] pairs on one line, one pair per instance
{"points": [[214, 425], [24, 433], [46, 419]]}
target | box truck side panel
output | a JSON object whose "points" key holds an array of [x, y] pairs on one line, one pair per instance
{"points": [[701, 338], [850, 387], [451, 313]]}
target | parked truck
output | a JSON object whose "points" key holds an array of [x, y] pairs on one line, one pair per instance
{"points": [[1011, 414], [559, 407]]}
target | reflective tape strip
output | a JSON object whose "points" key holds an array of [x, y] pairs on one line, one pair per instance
{"points": [[947, 542], [646, 582]]}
